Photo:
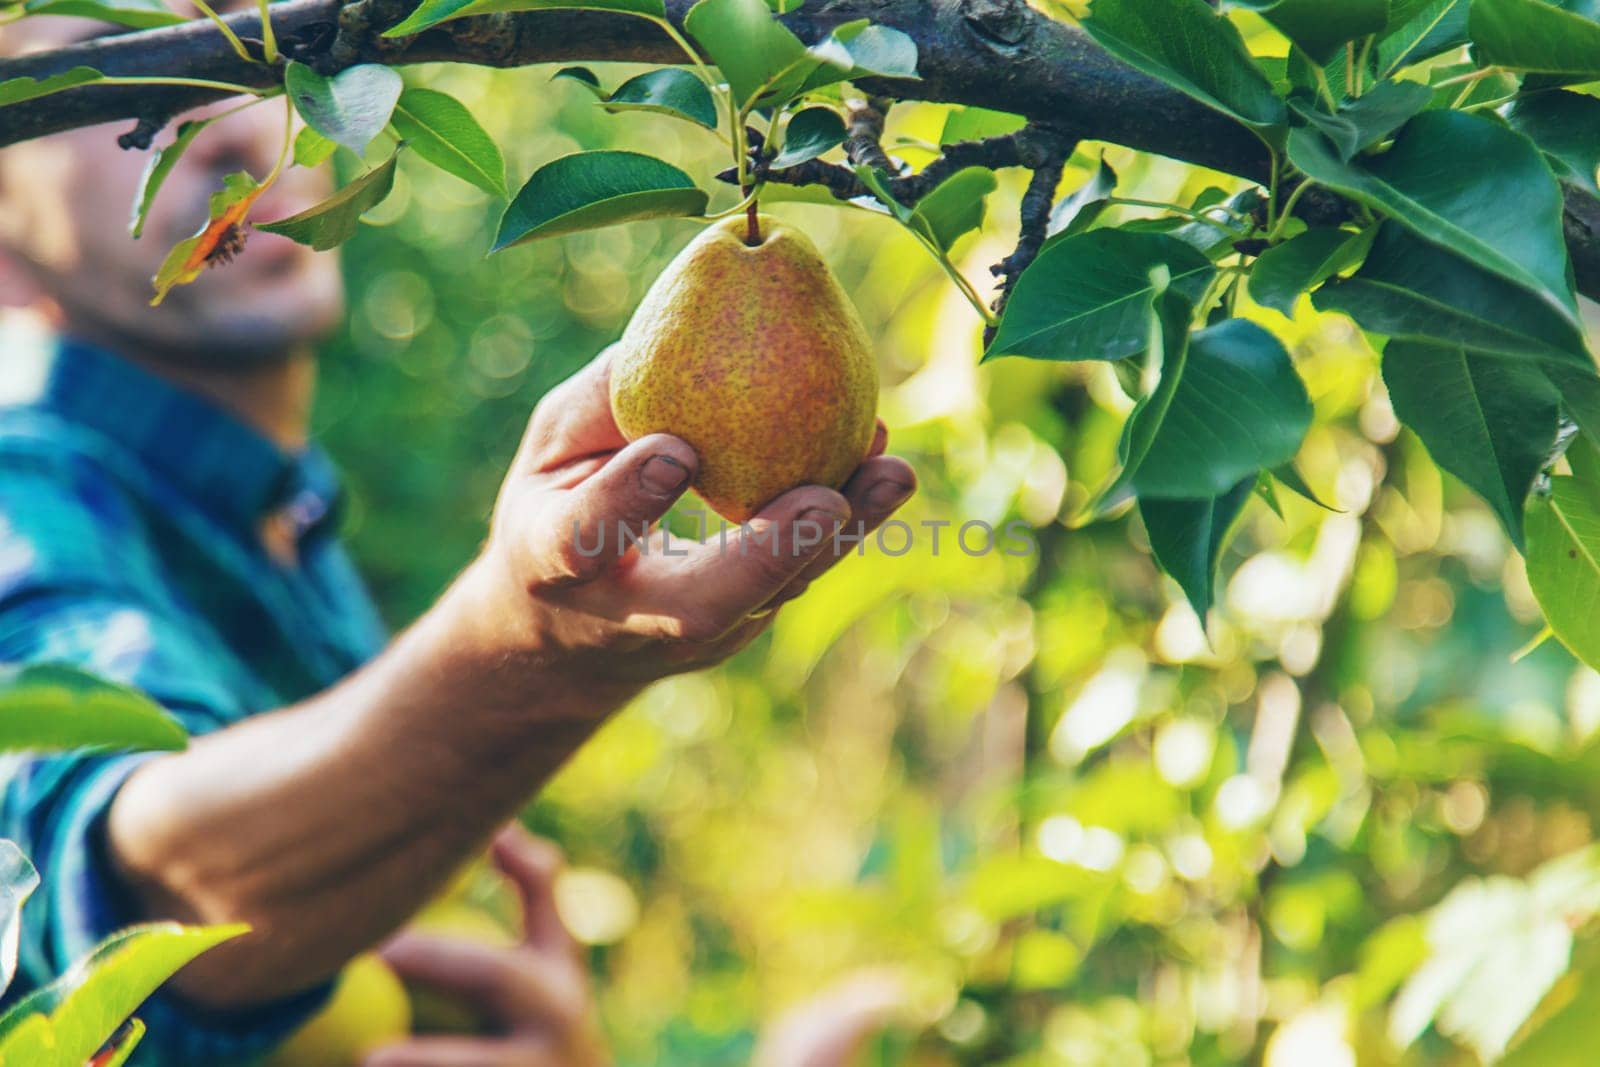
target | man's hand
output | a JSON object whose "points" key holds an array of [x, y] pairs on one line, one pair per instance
{"points": [[536, 995], [596, 610]]}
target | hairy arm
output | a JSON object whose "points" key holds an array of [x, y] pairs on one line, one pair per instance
{"points": [[327, 824]]}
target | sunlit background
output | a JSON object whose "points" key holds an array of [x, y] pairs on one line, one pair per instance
{"points": [[1087, 832]]}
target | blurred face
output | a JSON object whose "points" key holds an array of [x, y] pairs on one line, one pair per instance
{"points": [[65, 202]]}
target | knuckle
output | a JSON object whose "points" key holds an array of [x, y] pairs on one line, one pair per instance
{"points": [[698, 627]]}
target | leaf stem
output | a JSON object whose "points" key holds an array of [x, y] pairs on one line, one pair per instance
{"points": [[1276, 232], [1178, 209], [989, 318], [700, 69], [193, 83], [269, 37], [1326, 88], [1272, 190], [1361, 64], [226, 30]]}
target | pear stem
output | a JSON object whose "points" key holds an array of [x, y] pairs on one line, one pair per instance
{"points": [[752, 232]]}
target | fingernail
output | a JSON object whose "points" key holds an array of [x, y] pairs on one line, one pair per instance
{"points": [[888, 494], [663, 474]]}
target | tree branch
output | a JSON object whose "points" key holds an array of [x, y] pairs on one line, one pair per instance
{"points": [[997, 54]]}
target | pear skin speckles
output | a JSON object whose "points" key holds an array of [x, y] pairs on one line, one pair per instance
{"points": [[756, 358]]}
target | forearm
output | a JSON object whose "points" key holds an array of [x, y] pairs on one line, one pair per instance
{"points": [[327, 824]]}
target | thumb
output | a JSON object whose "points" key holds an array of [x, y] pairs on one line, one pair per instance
{"points": [[575, 534]]}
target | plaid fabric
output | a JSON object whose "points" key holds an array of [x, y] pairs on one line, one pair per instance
{"points": [[129, 546]]}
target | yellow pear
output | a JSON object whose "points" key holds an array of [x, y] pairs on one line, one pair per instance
{"points": [[369, 1008], [754, 355]]}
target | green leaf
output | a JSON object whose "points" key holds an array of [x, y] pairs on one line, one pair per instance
{"points": [[1535, 37], [1563, 538], [432, 12], [18, 880], [1302, 263], [976, 123], [751, 48], [587, 190], [1087, 203], [126, 1041], [1318, 27], [1089, 296], [1419, 30], [351, 107], [334, 221], [441, 130], [1370, 118], [667, 91], [16, 90], [1190, 47], [1187, 538], [1579, 389], [954, 207], [162, 160], [1237, 407], [1290, 477], [134, 14], [810, 133], [311, 149], [583, 76], [1566, 127], [1490, 422], [869, 49], [84, 1007], [1408, 288], [225, 219], [1467, 184], [54, 707]]}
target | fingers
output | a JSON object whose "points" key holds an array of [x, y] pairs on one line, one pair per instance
{"points": [[532, 864], [573, 420], [713, 587], [878, 487], [574, 536], [464, 1052], [880, 440], [514, 986]]}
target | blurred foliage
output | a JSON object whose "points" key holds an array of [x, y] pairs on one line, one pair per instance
{"points": [[1088, 832]]}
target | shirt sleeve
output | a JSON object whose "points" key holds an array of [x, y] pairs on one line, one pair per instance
{"points": [[77, 588]]}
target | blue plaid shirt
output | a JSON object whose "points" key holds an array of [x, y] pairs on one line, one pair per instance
{"points": [[130, 517]]}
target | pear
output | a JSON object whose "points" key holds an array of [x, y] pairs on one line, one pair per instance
{"points": [[754, 355]]}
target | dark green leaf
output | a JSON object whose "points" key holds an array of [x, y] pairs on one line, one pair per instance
{"points": [[311, 149], [1302, 263], [85, 1006], [432, 12], [582, 75], [587, 190], [134, 14], [351, 107], [1535, 37], [954, 207], [1290, 477], [751, 48], [1490, 422], [1419, 30], [1369, 118], [976, 123], [440, 129], [1566, 127], [1467, 184], [1579, 389], [1237, 407], [667, 91], [16, 90], [1187, 538], [18, 880], [162, 160], [1318, 27], [1089, 296], [1079, 211], [53, 707], [1563, 553], [334, 221], [1408, 288], [1190, 47], [810, 133]]}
